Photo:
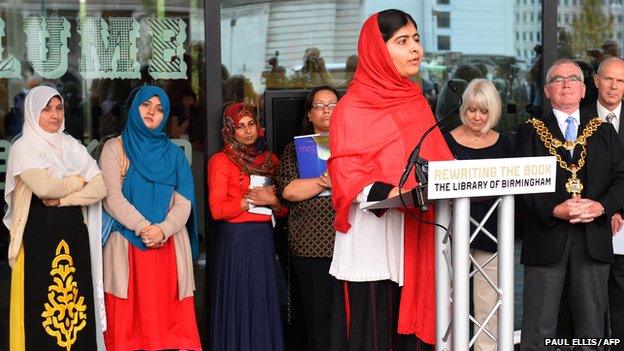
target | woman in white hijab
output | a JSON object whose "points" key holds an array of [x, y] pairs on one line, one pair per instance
{"points": [[53, 192]]}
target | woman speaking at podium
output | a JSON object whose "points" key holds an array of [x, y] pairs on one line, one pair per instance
{"points": [[373, 130]]}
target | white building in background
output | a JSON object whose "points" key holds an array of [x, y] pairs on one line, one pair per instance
{"points": [[528, 22], [469, 27], [527, 27], [253, 31]]}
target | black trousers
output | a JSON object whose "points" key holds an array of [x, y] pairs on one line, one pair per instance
{"points": [[543, 288], [316, 289]]}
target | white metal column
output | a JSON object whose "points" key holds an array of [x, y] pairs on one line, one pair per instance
{"points": [[461, 272], [443, 276], [506, 272]]}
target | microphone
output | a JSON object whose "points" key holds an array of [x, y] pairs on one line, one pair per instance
{"points": [[415, 159]]}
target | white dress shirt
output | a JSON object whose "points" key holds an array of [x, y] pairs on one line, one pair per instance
{"points": [[603, 112]]}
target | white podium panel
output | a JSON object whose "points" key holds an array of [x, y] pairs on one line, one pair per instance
{"points": [[491, 177], [453, 183]]}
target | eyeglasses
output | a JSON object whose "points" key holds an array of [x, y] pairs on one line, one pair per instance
{"points": [[320, 106], [561, 79]]}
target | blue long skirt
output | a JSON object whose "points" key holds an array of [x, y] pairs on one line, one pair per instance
{"points": [[245, 308]]}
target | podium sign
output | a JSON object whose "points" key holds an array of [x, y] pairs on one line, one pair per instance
{"points": [[491, 177]]}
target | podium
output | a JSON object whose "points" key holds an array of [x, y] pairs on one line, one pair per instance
{"points": [[452, 184]]}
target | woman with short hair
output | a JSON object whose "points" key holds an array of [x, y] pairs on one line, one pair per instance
{"points": [[475, 139]]}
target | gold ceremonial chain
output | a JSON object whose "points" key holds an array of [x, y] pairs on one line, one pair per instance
{"points": [[573, 185]]}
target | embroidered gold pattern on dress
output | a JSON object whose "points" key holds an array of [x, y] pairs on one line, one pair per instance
{"points": [[65, 312]]}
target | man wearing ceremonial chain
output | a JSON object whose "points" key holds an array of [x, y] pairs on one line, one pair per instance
{"points": [[569, 231]]}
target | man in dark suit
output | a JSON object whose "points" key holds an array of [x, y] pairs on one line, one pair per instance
{"points": [[609, 80], [568, 232], [610, 83]]}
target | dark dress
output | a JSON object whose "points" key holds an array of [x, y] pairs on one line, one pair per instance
{"points": [[245, 314], [480, 207], [58, 291]]}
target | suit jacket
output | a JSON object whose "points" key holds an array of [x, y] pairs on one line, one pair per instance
{"points": [[591, 111], [603, 179]]}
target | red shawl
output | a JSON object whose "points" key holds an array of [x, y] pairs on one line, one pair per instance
{"points": [[372, 132]]}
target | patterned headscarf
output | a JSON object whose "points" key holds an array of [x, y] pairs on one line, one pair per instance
{"points": [[252, 159]]}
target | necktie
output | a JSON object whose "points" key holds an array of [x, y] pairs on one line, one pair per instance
{"points": [[570, 132], [610, 117]]}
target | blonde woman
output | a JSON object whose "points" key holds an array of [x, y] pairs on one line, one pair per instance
{"points": [[475, 139]]}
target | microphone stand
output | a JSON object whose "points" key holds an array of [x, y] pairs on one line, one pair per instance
{"points": [[420, 164]]}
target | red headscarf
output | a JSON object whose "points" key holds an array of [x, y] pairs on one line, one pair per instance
{"points": [[252, 159], [373, 130]]}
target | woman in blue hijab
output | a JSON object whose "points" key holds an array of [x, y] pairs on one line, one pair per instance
{"points": [[148, 256]]}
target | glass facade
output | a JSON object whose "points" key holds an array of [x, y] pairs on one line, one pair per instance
{"points": [[301, 44], [94, 53], [591, 31]]}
